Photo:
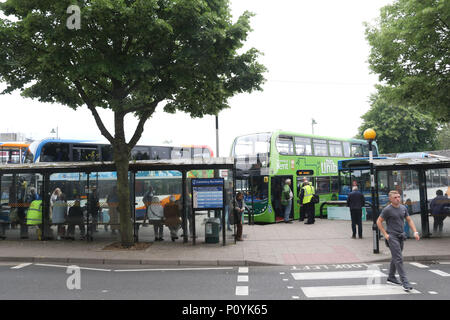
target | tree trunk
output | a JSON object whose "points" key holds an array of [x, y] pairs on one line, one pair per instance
{"points": [[123, 192]]}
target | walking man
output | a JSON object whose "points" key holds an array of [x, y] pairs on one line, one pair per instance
{"points": [[394, 215], [356, 201]]}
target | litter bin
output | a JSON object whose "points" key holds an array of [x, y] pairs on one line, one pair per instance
{"points": [[212, 226]]}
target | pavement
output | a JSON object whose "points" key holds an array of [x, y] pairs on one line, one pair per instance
{"points": [[325, 242]]}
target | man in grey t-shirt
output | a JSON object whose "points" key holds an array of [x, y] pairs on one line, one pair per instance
{"points": [[395, 215]]}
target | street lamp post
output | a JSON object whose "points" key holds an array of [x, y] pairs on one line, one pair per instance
{"points": [[370, 135]]}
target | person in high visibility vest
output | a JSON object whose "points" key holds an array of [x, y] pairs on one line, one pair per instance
{"points": [[306, 195], [34, 216]]}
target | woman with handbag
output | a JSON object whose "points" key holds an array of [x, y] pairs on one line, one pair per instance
{"points": [[239, 208]]}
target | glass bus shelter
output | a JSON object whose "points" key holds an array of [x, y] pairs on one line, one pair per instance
{"points": [[90, 193], [418, 180]]}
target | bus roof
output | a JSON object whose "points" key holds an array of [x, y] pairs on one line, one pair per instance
{"points": [[14, 144], [291, 133]]}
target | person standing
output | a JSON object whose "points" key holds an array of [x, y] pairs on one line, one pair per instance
{"points": [[302, 208], [286, 200], [239, 208], [306, 195], [438, 207], [356, 201], [395, 215], [147, 199], [113, 204]]}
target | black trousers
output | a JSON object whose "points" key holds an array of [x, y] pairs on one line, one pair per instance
{"points": [[310, 212], [356, 215]]}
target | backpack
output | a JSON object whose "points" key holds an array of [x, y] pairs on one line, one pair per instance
{"points": [[315, 199]]}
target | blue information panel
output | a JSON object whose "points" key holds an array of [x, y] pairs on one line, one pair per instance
{"points": [[207, 193]]}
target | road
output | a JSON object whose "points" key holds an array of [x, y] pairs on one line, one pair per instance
{"points": [[341, 281]]}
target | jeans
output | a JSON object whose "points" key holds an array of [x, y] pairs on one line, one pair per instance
{"points": [[287, 211]]}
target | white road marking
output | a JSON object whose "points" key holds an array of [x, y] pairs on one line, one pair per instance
{"points": [[242, 279], [338, 275], [432, 292], [22, 265], [441, 273], [289, 287], [351, 291], [418, 265], [61, 266], [174, 269], [295, 297], [243, 270], [242, 290]]}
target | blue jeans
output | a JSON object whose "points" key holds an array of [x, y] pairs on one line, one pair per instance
{"points": [[287, 211]]}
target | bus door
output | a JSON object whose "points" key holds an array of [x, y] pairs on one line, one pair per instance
{"points": [[277, 185]]}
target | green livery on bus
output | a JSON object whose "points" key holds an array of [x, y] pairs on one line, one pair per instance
{"points": [[265, 160]]}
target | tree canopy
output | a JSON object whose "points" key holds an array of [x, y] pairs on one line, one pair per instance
{"points": [[128, 56], [399, 128], [410, 51]]}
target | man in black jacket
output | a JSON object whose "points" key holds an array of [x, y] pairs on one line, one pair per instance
{"points": [[356, 201], [440, 208]]}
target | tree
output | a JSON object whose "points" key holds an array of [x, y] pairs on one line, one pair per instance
{"points": [[443, 137], [128, 56], [411, 53], [399, 128]]}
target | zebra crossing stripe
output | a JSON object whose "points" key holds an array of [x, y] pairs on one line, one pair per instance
{"points": [[418, 265], [355, 290], [338, 275], [441, 273], [242, 290]]}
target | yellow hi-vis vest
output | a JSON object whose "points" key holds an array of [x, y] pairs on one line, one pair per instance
{"points": [[308, 193], [34, 213]]}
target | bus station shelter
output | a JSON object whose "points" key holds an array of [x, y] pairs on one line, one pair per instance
{"points": [[416, 179], [152, 183]]}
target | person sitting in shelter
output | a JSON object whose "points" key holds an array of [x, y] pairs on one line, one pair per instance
{"points": [[172, 217]]}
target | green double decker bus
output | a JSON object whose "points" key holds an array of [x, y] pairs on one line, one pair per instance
{"points": [[265, 160]]}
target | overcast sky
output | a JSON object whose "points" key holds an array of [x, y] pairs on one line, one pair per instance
{"points": [[316, 55]]}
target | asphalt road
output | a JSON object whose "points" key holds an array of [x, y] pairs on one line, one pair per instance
{"points": [[314, 282]]}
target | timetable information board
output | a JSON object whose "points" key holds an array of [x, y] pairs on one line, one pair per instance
{"points": [[207, 193]]}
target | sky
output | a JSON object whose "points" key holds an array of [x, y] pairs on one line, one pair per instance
{"points": [[316, 55]]}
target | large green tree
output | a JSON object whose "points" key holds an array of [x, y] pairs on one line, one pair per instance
{"points": [[128, 56], [410, 51], [399, 128]]}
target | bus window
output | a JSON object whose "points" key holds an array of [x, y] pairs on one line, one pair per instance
{"points": [[303, 146], [322, 185], [82, 152], [346, 149], [206, 153], [107, 153], [55, 152], [285, 145], [320, 147], [140, 153], [159, 153], [198, 153], [444, 177], [335, 184], [335, 148], [357, 150], [180, 153]]}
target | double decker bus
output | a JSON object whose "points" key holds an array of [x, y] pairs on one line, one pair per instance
{"points": [[12, 152], [265, 160]]}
